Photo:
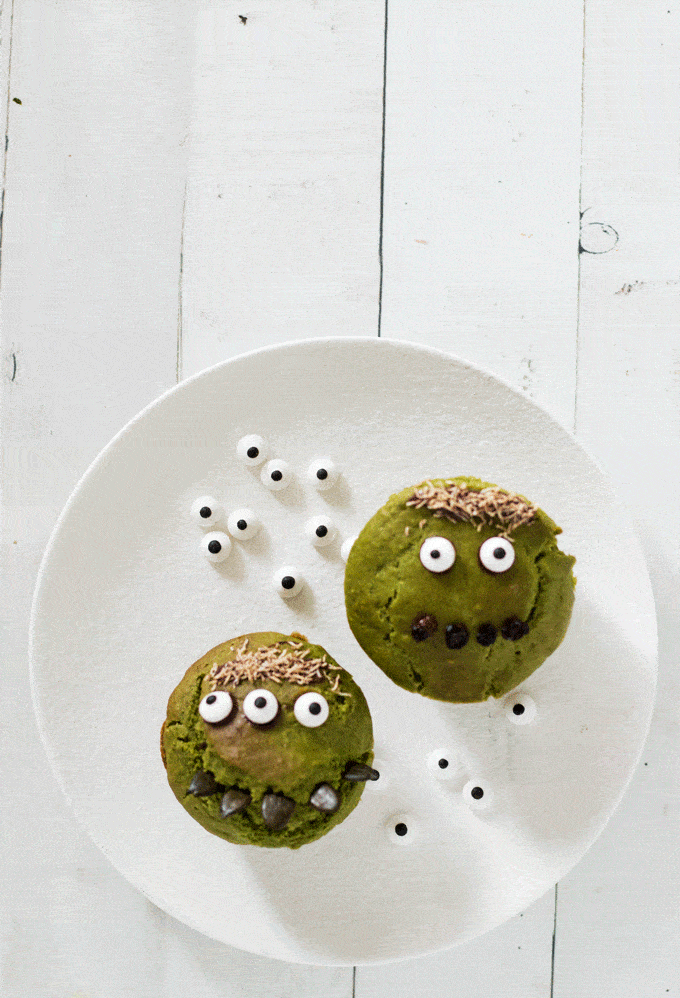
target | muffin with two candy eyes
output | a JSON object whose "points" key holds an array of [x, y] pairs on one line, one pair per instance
{"points": [[268, 741]]}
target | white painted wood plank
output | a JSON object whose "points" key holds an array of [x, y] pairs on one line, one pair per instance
{"points": [[513, 961], [483, 108], [618, 931], [282, 216]]}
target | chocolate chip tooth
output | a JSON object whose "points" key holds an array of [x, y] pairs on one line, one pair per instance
{"points": [[457, 636], [486, 635], [513, 629], [234, 800], [423, 627], [359, 771], [325, 799], [277, 811], [204, 784]]}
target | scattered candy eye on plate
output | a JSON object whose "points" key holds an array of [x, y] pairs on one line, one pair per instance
{"points": [[477, 795], [321, 531], [216, 546], [206, 511], [441, 764], [520, 708], [243, 524], [276, 475], [252, 449], [401, 829], [322, 473], [288, 581]]}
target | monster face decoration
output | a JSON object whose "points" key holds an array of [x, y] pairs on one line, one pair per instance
{"points": [[268, 741], [457, 590]]}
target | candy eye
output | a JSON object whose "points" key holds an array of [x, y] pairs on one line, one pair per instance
{"points": [[252, 449], [288, 581], [401, 829], [476, 795], [437, 554], [442, 764], [497, 554], [520, 708], [216, 707], [322, 473], [276, 475], [320, 530], [311, 710], [243, 524], [216, 546], [206, 511], [260, 706]]}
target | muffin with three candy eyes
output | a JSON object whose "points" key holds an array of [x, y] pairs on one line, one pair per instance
{"points": [[268, 741], [457, 590]]}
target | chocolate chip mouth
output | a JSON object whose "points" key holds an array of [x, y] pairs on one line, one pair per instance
{"points": [[423, 627]]}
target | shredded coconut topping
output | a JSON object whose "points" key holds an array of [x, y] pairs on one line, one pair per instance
{"points": [[286, 661], [464, 505]]}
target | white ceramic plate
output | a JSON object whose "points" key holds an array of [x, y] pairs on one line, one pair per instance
{"points": [[126, 602]]}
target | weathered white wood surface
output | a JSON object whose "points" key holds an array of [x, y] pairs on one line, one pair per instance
{"points": [[290, 133]]}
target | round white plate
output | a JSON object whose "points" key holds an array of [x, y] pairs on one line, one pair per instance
{"points": [[126, 602]]}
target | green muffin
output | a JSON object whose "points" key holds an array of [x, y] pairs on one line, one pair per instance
{"points": [[457, 590], [268, 741]]}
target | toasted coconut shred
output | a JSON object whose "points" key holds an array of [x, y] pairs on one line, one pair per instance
{"points": [[464, 505], [286, 661]]}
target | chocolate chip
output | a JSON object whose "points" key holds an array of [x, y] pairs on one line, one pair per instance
{"points": [[423, 627], [234, 800], [325, 799], [203, 784], [277, 811], [358, 771], [486, 635], [513, 629], [457, 636]]}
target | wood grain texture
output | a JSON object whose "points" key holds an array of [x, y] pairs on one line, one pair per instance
{"points": [[618, 926], [482, 160], [282, 215]]}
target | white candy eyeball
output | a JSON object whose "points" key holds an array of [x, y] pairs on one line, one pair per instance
{"points": [[243, 524], [322, 473], [320, 530], [519, 708], [401, 829], [216, 707], [311, 710], [252, 449], [288, 581], [476, 795], [497, 554], [216, 546], [437, 554], [206, 511], [346, 547], [442, 764], [260, 706], [276, 475]]}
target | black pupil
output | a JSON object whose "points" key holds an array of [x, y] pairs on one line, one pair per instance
{"points": [[277, 476], [477, 793], [401, 828], [322, 473], [241, 524], [518, 709], [288, 582], [443, 763], [214, 547], [252, 452], [260, 702], [315, 708], [206, 512], [211, 699], [499, 553], [435, 553], [321, 531]]}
